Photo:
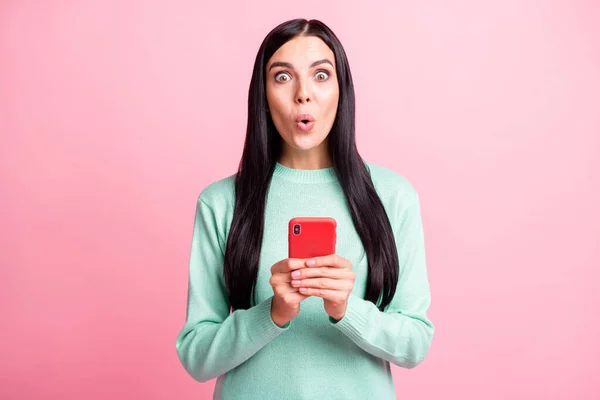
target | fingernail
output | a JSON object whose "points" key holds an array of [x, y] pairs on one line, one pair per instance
{"points": [[310, 262], [295, 282], [303, 289], [296, 274]]}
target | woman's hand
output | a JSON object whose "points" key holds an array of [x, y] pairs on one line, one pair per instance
{"points": [[331, 278], [286, 299]]}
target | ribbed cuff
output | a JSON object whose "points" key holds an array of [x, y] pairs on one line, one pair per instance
{"points": [[355, 320], [260, 325]]}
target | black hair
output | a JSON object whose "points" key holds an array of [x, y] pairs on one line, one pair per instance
{"points": [[260, 154]]}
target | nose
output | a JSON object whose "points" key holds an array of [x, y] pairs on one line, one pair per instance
{"points": [[303, 93]]}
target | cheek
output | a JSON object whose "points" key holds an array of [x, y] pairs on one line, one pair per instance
{"points": [[276, 103], [278, 112], [329, 98]]}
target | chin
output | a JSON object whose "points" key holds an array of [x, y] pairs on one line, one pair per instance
{"points": [[305, 142]]}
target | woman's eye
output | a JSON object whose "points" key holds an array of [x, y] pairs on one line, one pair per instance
{"points": [[284, 76], [322, 75], [281, 75]]}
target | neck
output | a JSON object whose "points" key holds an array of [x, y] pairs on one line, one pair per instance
{"points": [[317, 158]]}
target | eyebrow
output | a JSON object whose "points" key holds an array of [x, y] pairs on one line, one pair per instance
{"points": [[290, 66]]}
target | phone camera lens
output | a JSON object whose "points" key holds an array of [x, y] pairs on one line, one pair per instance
{"points": [[296, 229]]}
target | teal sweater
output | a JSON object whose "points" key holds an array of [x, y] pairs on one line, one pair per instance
{"points": [[312, 357]]}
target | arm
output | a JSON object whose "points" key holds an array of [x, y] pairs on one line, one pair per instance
{"points": [[213, 341], [403, 333]]}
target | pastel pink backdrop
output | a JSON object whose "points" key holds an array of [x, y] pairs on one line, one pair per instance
{"points": [[114, 115]]}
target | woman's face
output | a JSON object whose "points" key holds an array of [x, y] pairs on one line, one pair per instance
{"points": [[302, 93]]}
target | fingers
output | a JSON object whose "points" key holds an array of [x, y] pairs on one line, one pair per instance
{"points": [[300, 277], [326, 272], [305, 273], [282, 282], [332, 260], [292, 264], [293, 298], [323, 283], [335, 296], [288, 294], [288, 265]]}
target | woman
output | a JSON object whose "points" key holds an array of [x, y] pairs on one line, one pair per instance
{"points": [[327, 327]]}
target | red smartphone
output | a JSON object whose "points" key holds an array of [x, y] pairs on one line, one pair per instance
{"points": [[311, 237]]}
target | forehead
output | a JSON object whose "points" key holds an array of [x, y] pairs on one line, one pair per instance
{"points": [[301, 51]]}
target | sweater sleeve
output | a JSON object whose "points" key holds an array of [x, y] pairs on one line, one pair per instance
{"points": [[402, 333], [213, 340]]}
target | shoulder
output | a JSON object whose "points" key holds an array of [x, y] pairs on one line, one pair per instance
{"points": [[219, 194], [392, 186]]}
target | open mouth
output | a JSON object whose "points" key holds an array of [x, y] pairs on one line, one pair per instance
{"points": [[305, 122], [305, 125]]}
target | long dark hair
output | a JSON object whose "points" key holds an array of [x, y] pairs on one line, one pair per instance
{"points": [[261, 151]]}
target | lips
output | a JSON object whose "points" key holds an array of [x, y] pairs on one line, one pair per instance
{"points": [[305, 122], [305, 118]]}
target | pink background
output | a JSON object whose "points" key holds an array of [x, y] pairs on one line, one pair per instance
{"points": [[114, 115]]}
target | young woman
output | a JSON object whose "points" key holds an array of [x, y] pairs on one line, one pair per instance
{"points": [[271, 327]]}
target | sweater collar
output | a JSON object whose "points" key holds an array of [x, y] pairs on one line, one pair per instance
{"points": [[323, 175]]}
